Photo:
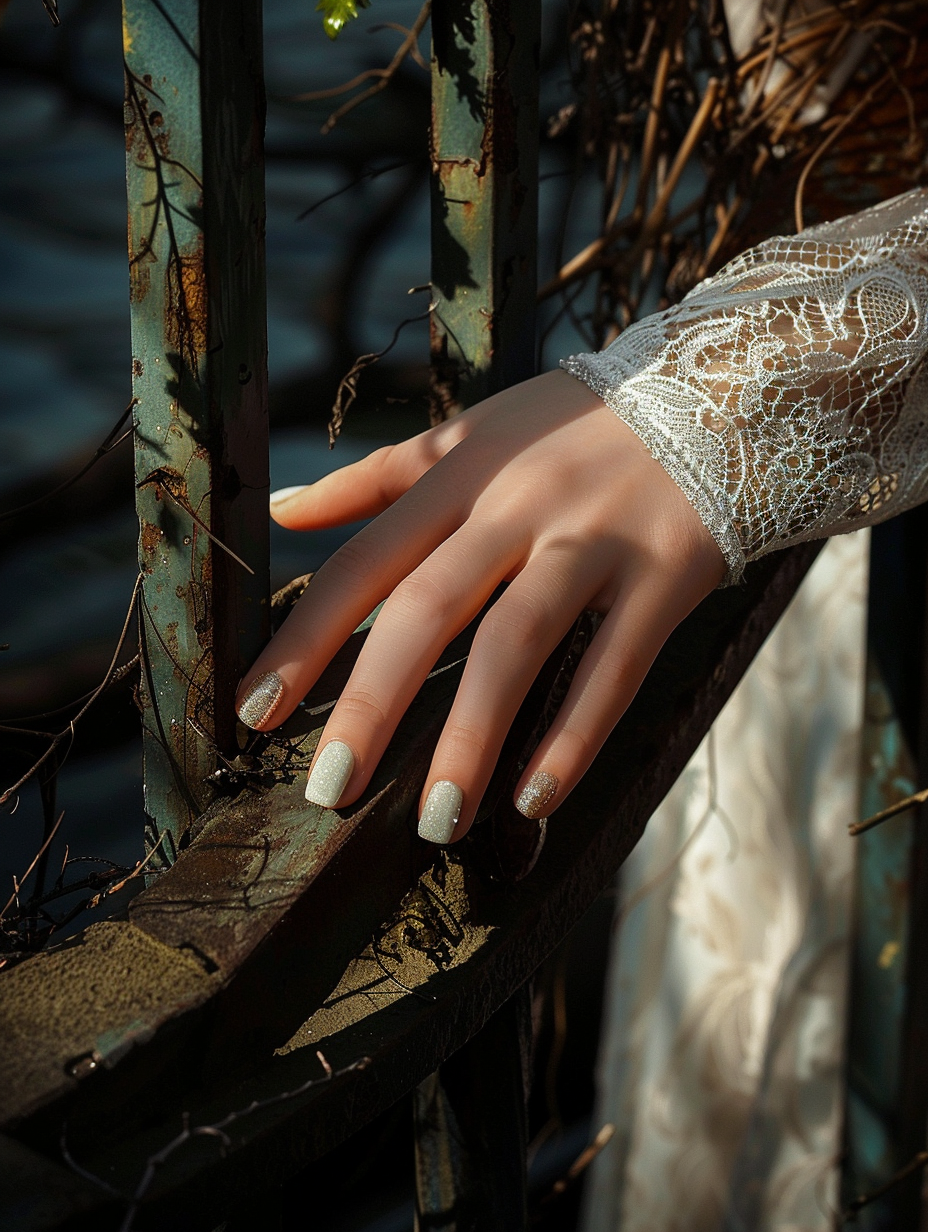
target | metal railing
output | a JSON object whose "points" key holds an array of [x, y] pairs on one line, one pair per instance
{"points": [[231, 1036]]}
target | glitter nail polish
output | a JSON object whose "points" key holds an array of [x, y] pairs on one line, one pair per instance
{"points": [[261, 700], [329, 776], [441, 812], [537, 794]]}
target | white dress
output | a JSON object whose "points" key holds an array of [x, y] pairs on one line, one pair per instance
{"points": [[720, 1064]]}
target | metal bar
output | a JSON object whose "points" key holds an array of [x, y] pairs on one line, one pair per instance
{"points": [[470, 1114], [887, 1080], [194, 160], [471, 1130], [484, 161], [120, 1068]]}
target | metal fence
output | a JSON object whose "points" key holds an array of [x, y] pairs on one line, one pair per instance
{"points": [[230, 1036]]}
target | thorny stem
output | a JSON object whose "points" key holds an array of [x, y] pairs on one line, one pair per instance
{"points": [[917, 1162], [110, 442], [215, 1129], [69, 730]]}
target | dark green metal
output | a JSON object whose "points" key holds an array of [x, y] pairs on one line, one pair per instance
{"points": [[470, 1114], [887, 1081], [194, 157], [471, 1130], [484, 161]]}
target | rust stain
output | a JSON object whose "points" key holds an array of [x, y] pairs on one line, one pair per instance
{"points": [[141, 259], [185, 315], [149, 544], [888, 954]]}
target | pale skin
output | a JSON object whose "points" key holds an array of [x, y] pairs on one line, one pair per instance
{"points": [[540, 486]]}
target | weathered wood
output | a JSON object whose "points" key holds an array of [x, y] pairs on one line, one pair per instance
{"points": [[483, 148], [459, 945], [194, 158]]}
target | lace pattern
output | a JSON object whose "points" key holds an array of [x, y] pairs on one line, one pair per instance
{"points": [[787, 394]]}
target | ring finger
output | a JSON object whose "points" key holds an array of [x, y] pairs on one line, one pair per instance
{"points": [[511, 645]]}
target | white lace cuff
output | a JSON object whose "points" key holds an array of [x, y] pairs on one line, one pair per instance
{"points": [[786, 395]]}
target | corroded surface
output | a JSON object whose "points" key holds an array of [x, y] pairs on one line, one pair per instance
{"points": [[68, 1014], [196, 260], [484, 163]]}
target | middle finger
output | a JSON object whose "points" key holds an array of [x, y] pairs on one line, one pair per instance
{"points": [[422, 615]]}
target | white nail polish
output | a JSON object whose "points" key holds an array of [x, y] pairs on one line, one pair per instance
{"points": [[284, 494], [329, 776], [441, 812]]}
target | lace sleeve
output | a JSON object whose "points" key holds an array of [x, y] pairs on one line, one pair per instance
{"points": [[787, 394]]}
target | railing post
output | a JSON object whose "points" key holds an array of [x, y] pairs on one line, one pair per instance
{"points": [[484, 177], [887, 1051], [470, 1116], [194, 157], [471, 1130]]}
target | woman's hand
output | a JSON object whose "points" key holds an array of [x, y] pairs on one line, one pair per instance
{"points": [[541, 486]]}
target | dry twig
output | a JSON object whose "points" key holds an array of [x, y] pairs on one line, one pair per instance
{"points": [[408, 49]]}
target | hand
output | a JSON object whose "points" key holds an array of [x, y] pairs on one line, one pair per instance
{"points": [[541, 486]]}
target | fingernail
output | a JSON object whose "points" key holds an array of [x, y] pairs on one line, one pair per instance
{"points": [[329, 776], [284, 494], [537, 794], [261, 700], [442, 812]]}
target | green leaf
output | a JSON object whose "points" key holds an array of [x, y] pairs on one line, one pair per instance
{"points": [[338, 13]]}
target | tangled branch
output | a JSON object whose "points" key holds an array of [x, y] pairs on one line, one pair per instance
{"points": [[408, 49], [215, 1129], [684, 132]]}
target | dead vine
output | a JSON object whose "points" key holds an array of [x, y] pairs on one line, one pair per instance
{"points": [[407, 50]]}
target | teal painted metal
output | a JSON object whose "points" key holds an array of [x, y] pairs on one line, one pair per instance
{"points": [[877, 1001], [470, 1134], [484, 167], [194, 158], [886, 1092]]}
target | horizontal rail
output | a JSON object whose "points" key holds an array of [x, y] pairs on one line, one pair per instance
{"points": [[196, 985]]}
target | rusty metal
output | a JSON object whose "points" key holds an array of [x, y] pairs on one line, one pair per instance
{"points": [[887, 1076], [471, 1130], [117, 1068], [484, 165], [194, 159], [483, 148]]}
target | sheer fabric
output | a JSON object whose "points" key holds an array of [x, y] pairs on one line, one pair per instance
{"points": [[787, 395], [723, 1034]]}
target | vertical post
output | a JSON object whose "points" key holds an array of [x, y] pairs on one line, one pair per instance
{"points": [[484, 178], [194, 158], [471, 1130], [887, 1061], [470, 1116]]}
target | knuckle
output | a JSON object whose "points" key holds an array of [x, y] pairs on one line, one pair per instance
{"points": [[463, 739], [363, 709], [354, 562], [577, 745], [618, 674], [519, 626], [424, 594]]}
